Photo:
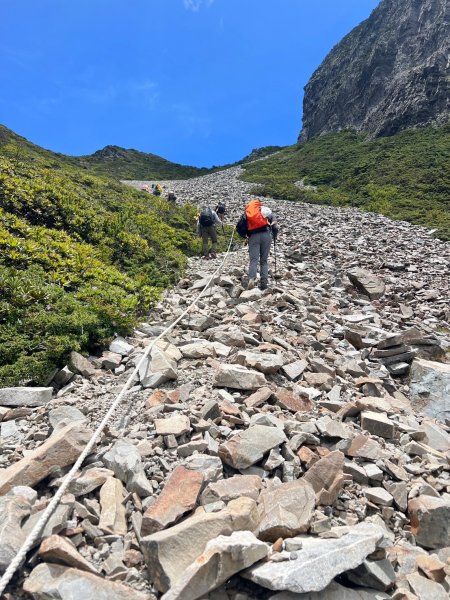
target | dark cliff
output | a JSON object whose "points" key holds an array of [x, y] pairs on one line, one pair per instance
{"points": [[390, 73]]}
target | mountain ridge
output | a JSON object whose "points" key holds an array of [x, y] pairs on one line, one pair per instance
{"points": [[388, 74]]}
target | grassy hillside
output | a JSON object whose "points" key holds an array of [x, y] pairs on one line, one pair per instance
{"points": [[111, 161], [406, 176], [81, 258], [117, 162]]}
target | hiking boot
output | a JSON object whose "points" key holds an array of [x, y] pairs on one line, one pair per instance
{"points": [[251, 284], [212, 255], [205, 257], [263, 285]]}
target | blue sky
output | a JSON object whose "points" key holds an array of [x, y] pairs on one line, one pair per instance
{"points": [[199, 82]]}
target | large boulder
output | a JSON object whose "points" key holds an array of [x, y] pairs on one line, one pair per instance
{"points": [[169, 553], [430, 387], [286, 510], [25, 396], [318, 562], [239, 378]]}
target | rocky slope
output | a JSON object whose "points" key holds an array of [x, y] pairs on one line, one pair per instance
{"points": [[390, 73], [273, 447]]}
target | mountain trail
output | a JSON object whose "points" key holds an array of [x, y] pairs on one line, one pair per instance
{"points": [[294, 440]]}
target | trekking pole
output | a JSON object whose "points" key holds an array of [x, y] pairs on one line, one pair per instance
{"points": [[275, 253]]}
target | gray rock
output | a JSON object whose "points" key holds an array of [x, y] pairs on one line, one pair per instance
{"points": [[265, 362], [426, 589], [430, 521], [368, 283], [126, 463], [238, 377], [248, 447], [79, 364], [169, 553], [55, 582], [223, 557], [64, 415], [333, 592], [377, 424], [318, 562], [14, 508], [120, 346], [25, 396], [430, 387], [209, 466]]}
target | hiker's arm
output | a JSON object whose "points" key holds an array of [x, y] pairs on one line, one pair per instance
{"points": [[217, 221]]}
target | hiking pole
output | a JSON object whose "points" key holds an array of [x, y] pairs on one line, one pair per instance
{"points": [[275, 253]]}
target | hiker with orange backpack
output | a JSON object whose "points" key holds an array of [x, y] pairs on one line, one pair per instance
{"points": [[259, 226]]}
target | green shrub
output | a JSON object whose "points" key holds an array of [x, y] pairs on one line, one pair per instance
{"points": [[406, 176]]}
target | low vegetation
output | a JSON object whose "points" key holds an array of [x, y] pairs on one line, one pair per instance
{"points": [[81, 258], [406, 176]]}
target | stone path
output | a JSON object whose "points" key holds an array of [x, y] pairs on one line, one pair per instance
{"points": [[279, 444]]}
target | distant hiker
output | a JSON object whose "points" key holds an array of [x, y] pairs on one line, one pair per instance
{"points": [[144, 188], [206, 229], [259, 226], [171, 197], [221, 210], [157, 190]]}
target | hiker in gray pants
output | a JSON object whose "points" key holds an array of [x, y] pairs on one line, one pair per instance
{"points": [[259, 244]]}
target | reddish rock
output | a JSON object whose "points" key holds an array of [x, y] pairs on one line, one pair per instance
{"points": [[156, 398], [178, 497], [259, 397], [60, 450], [430, 521], [364, 447], [57, 549], [327, 478], [291, 401]]}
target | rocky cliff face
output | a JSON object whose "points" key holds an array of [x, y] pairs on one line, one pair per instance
{"points": [[390, 73]]}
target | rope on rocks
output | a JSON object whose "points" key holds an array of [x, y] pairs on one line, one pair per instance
{"points": [[37, 529]]}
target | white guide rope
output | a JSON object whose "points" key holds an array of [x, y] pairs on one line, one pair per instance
{"points": [[35, 532]]}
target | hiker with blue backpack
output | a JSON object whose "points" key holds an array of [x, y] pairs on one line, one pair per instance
{"points": [[206, 229], [259, 227]]}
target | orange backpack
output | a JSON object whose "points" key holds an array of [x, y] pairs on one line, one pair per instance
{"points": [[255, 219]]}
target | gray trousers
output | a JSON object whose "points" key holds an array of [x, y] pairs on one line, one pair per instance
{"points": [[207, 233], [259, 249]]}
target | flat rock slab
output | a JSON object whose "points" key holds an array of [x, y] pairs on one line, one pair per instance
{"points": [[232, 488], [60, 450], [286, 510], [55, 582], [223, 557], [367, 283], [112, 516], [58, 549], [239, 378], [318, 562], [176, 425], [265, 362], [179, 496], [334, 592], [169, 553], [248, 447], [25, 396], [430, 387]]}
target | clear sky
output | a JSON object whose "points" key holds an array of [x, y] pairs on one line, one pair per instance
{"points": [[200, 82]]}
